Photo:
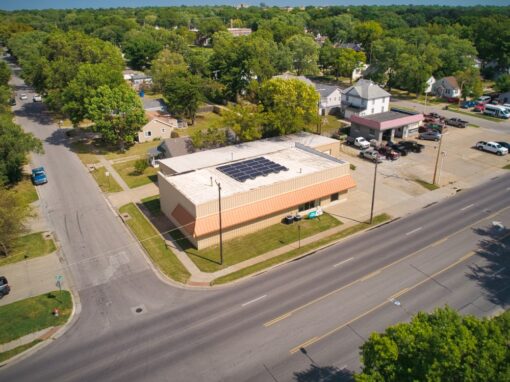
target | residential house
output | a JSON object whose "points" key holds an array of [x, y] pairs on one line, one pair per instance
{"points": [[364, 98], [290, 76], [331, 98], [359, 71], [170, 148], [504, 98], [446, 87], [236, 32], [156, 129]]}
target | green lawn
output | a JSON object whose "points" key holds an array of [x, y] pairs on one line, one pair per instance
{"points": [[299, 251], [35, 313], [202, 122], [507, 167], [427, 185], [246, 247], [28, 247], [152, 204], [154, 245], [138, 149], [127, 171], [25, 190], [106, 183], [20, 349], [88, 150]]}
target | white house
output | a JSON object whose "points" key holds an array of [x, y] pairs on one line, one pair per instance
{"points": [[156, 129], [365, 98], [429, 84], [446, 87], [331, 98], [359, 71]]}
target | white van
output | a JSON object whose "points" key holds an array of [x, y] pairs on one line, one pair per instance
{"points": [[497, 111], [507, 107]]}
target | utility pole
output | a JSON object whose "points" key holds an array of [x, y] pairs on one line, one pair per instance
{"points": [[373, 194], [299, 234], [437, 160], [221, 227]]}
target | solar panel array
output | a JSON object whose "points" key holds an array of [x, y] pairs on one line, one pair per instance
{"points": [[251, 168]]}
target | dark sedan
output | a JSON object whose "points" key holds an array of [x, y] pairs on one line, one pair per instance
{"points": [[412, 146]]}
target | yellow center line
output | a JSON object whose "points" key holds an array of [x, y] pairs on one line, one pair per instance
{"points": [[366, 277], [398, 294]]}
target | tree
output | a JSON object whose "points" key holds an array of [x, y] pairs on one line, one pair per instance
{"points": [[140, 48], [15, 145], [117, 114], [13, 215], [305, 54], [245, 120], [347, 61], [366, 33], [164, 65], [441, 346], [211, 138], [455, 54], [470, 82], [289, 106], [89, 77], [5, 73], [183, 93], [503, 83]]}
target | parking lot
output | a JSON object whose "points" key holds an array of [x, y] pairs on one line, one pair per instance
{"points": [[462, 166]]}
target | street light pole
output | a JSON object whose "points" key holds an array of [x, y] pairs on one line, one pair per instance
{"points": [[299, 234], [221, 227], [373, 193], [437, 160], [443, 155]]}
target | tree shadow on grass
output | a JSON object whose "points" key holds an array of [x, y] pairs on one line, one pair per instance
{"points": [[494, 276], [323, 374]]}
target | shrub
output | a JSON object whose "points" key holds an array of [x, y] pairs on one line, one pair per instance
{"points": [[141, 165]]}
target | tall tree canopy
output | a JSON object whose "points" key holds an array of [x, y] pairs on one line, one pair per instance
{"points": [[441, 346]]}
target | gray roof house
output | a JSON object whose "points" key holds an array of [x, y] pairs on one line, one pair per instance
{"points": [[364, 98], [170, 148], [331, 98]]}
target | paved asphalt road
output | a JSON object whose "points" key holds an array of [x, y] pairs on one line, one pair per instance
{"points": [[327, 303]]}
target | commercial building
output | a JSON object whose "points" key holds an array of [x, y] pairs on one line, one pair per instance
{"points": [[261, 183]]}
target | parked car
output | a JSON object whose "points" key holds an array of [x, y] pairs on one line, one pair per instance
{"points": [[37, 98], [431, 135], [468, 104], [401, 149], [12, 101], [440, 127], [504, 144], [452, 100], [457, 122], [4, 286], [412, 146], [39, 176], [359, 142], [483, 99], [492, 147], [479, 108], [23, 97], [389, 153], [371, 154]]}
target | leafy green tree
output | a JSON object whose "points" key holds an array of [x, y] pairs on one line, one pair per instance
{"points": [[245, 120], [470, 82], [211, 138], [503, 83], [164, 65], [13, 215], [347, 61], [183, 93], [441, 346], [117, 114], [367, 33], [5, 73], [386, 55], [289, 106], [15, 145], [140, 48], [455, 54], [328, 55], [305, 54], [198, 61], [88, 78]]}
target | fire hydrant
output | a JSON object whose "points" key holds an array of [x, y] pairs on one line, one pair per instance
{"points": [[56, 312]]}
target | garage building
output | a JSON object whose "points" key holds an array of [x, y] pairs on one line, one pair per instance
{"points": [[261, 183]]}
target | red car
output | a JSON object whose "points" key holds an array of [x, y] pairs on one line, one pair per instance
{"points": [[480, 107]]}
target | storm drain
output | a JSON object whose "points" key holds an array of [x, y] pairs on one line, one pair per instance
{"points": [[137, 310], [125, 216]]}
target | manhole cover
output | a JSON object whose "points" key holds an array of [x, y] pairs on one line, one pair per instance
{"points": [[140, 309]]}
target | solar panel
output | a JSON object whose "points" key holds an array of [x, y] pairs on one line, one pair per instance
{"points": [[251, 169]]}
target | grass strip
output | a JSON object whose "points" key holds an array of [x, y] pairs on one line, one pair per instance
{"points": [[154, 245], [25, 191], [28, 247], [153, 205], [134, 179], [106, 183], [427, 185], [20, 349], [507, 167], [33, 314], [478, 115], [257, 243], [299, 251]]}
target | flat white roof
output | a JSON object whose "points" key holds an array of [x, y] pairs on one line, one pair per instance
{"points": [[214, 157], [196, 185]]}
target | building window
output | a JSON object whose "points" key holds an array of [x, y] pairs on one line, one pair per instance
{"points": [[307, 206], [371, 132], [163, 130], [334, 197], [148, 133]]}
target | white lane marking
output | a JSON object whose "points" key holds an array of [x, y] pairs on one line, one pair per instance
{"points": [[342, 262], [414, 230], [465, 208], [254, 300]]}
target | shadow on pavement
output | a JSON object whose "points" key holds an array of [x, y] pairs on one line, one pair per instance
{"points": [[494, 277], [323, 374], [36, 112]]}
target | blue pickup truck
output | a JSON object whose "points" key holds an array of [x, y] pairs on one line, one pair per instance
{"points": [[39, 176]]}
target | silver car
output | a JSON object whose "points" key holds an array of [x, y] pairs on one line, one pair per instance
{"points": [[431, 135]]}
